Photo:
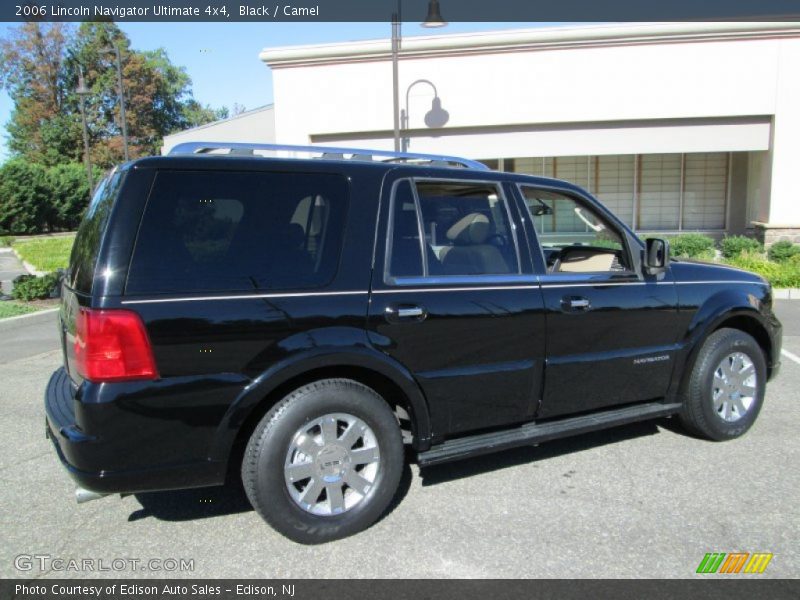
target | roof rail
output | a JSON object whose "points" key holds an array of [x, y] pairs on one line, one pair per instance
{"points": [[328, 152]]}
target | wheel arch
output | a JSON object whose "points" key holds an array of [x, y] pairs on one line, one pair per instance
{"points": [[734, 310], [388, 378]]}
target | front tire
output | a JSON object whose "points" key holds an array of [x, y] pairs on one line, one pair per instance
{"points": [[325, 462], [725, 389]]}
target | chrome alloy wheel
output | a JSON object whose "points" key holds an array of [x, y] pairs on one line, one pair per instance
{"points": [[332, 464], [734, 387]]}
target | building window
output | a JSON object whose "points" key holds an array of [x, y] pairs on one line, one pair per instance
{"points": [[613, 184], [659, 192], [648, 192], [705, 190]]}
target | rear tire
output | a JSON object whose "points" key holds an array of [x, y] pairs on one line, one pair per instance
{"points": [[725, 389], [325, 462]]}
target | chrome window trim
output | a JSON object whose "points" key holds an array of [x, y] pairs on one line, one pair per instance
{"points": [[522, 282]]}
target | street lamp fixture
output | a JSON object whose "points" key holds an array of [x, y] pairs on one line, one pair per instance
{"points": [[114, 49], [435, 117], [434, 19], [82, 91]]}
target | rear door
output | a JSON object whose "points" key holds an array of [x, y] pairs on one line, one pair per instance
{"points": [[611, 332], [454, 299]]}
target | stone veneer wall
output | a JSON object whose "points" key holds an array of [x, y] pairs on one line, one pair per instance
{"points": [[768, 235]]}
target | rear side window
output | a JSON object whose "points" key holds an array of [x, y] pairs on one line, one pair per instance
{"points": [[90, 233], [222, 231], [465, 229]]}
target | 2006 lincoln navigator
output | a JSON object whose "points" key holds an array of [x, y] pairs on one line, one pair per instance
{"points": [[300, 320]]}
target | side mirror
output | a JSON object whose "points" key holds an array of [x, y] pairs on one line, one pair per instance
{"points": [[656, 256]]}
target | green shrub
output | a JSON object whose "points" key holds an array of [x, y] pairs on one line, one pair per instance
{"points": [[737, 244], [692, 245], [780, 274], [781, 251], [35, 199], [25, 204], [30, 287]]}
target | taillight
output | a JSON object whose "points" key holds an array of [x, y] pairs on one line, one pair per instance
{"points": [[112, 345]]}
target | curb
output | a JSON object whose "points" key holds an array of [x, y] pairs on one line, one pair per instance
{"points": [[28, 266], [786, 294], [41, 316]]}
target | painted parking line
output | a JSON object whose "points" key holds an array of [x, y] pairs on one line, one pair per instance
{"points": [[791, 356]]}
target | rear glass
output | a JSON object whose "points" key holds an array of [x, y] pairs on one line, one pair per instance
{"points": [[223, 231], [90, 233]]}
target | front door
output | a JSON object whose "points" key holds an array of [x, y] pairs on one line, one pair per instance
{"points": [[456, 302], [611, 332]]}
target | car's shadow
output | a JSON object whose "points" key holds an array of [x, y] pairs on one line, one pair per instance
{"points": [[529, 454], [187, 505], [202, 503]]}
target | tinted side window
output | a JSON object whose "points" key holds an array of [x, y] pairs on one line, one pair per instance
{"points": [[239, 231], [90, 233], [467, 229]]}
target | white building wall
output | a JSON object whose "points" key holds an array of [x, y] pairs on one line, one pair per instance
{"points": [[587, 84], [785, 189], [660, 88]]}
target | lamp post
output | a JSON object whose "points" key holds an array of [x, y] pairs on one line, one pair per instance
{"points": [[121, 93], [435, 117], [434, 19], [82, 92]]}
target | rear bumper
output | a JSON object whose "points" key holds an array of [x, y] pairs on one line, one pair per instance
{"points": [[86, 456]]}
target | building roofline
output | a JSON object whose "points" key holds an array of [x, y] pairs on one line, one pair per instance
{"points": [[530, 39], [245, 113]]}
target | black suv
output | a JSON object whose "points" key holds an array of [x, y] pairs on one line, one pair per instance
{"points": [[298, 321]]}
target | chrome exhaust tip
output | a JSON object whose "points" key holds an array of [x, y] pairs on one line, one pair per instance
{"points": [[83, 495]]}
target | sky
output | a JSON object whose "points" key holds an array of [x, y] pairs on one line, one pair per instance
{"points": [[222, 58]]}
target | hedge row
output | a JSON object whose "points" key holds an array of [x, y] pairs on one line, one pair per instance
{"points": [[36, 199], [780, 265], [785, 274]]}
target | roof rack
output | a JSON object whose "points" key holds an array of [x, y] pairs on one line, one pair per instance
{"points": [[328, 152]]}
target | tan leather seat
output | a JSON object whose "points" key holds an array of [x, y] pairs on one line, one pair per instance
{"points": [[470, 255], [577, 260]]}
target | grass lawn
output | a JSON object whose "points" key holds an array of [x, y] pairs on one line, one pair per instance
{"points": [[14, 309], [46, 254]]}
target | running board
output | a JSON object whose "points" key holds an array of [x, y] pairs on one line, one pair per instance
{"points": [[533, 433]]}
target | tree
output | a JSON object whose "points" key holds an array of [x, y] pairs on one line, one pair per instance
{"points": [[68, 191], [32, 62], [41, 64]]}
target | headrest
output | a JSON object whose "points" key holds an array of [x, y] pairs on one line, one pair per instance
{"points": [[472, 229]]}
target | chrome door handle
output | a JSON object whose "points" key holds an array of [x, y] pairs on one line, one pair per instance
{"points": [[405, 313], [575, 304], [410, 313]]}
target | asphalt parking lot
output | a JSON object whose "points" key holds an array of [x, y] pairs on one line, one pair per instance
{"points": [[637, 501]]}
